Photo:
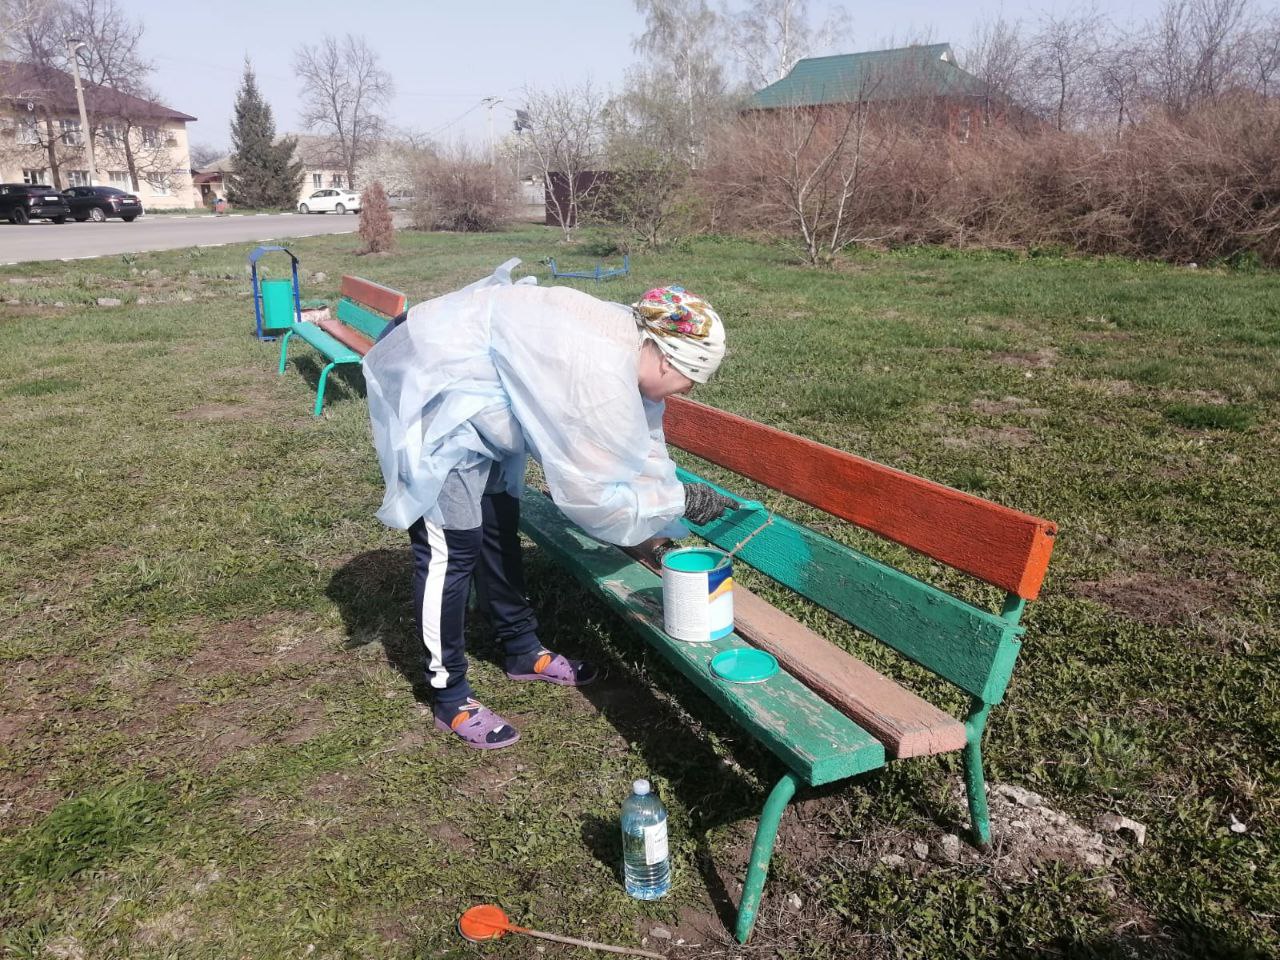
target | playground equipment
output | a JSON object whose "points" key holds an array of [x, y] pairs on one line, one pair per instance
{"points": [[277, 303], [600, 273]]}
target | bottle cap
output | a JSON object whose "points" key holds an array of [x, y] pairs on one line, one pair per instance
{"points": [[640, 788]]}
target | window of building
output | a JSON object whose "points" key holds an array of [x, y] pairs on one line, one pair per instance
{"points": [[966, 124], [119, 178], [338, 180], [317, 180], [33, 176], [78, 178], [150, 136], [159, 184], [72, 135], [110, 134], [28, 130]]}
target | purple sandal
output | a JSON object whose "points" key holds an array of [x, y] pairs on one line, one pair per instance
{"points": [[479, 727], [559, 670]]}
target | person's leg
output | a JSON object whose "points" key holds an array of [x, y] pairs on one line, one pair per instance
{"points": [[444, 561], [501, 575]]}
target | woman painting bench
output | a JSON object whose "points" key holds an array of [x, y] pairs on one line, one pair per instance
{"points": [[473, 382]]}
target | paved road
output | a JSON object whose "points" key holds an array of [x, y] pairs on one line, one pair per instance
{"points": [[53, 241]]}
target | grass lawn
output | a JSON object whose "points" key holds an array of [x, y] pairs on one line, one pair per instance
{"points": [[212, 746]]}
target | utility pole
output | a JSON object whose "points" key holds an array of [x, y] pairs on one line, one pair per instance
{"points": [[73, 47], [492, 102]]}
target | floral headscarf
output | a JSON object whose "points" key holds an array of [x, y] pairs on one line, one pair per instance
{"points": [[684, 328]]}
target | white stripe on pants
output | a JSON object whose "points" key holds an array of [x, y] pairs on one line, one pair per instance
{"points": [[433, 605]]}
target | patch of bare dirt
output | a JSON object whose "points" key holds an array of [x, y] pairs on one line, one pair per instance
{"points": [[1158, 601], [696, 929], [1039, 359], [1108, 388], [1005, 436], [449, 835], [1027, 833], [308, 723], [171, 927], [214, 738], [335, 787], [1006, 406], [492, 779], [214, 412], [256, 643], [1214, 397]]}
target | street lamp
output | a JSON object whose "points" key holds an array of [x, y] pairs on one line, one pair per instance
{"points": [[73, 47]]}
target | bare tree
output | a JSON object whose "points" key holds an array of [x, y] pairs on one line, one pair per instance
{"points": [[1264, 56], [810, 173], [1195, 50], [203, 154], [563, 141], [770, 36], [1064, 52], [17, 17], [648, 158], [344, 90], [1118, 81], [39, 85], [997, 55], [127, 120], [682, 37]]}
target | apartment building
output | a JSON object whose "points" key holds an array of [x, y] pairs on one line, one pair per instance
{"points": [[139, 145]]}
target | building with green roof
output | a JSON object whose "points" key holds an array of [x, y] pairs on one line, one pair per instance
{"points": [[919, 74]]}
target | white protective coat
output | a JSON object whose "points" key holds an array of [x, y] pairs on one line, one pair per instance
{"points": [[497, 371]]}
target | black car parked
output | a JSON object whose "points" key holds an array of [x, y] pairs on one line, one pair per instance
{"points": [[24, 202], [98, 203]]}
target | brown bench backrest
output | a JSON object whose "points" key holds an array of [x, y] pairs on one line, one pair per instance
{"points": [[996, 544]]}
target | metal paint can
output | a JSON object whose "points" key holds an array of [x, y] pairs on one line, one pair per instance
{"points": [[697, 594]]}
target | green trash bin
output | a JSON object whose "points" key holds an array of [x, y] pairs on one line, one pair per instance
{"points": [[278, 312]]}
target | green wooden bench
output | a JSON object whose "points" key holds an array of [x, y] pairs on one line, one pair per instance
{"points": [[827, 715], [363, 313]]}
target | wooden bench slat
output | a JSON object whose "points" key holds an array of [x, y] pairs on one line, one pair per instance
{"points": [[907, 725], [327, 345], [972, 648], [816, 741], [368, 323], [991, 542], [375, 295], [345, 335]]}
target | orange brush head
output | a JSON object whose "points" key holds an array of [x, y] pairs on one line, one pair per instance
{"points": [[484, 922]]}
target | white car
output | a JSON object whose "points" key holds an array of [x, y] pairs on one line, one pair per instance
{"points": [[332, 200]]}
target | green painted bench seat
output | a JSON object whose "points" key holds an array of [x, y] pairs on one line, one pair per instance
{"points": [[821, 731], [363, 313], [806, 733], [324, 342]]}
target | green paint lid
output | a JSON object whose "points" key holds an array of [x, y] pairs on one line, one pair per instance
{"points": [[744, 665]]}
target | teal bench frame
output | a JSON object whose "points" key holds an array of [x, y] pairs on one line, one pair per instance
{"points": [[971, 647]]}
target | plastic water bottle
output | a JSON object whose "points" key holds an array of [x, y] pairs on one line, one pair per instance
{"points": [[646, 866]]}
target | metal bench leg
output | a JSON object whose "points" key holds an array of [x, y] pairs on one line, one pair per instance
{"points": [[762, 853], [324, 376], [974, 781], [284, 350]]}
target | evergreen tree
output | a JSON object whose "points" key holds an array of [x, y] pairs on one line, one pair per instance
{"points": [[263, 170]]}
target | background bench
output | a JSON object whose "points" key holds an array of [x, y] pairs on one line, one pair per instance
{"points": [[829, 715], [363, 313]]}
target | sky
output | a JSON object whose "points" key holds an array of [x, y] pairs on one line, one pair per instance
{"points": [[445, 57]]}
